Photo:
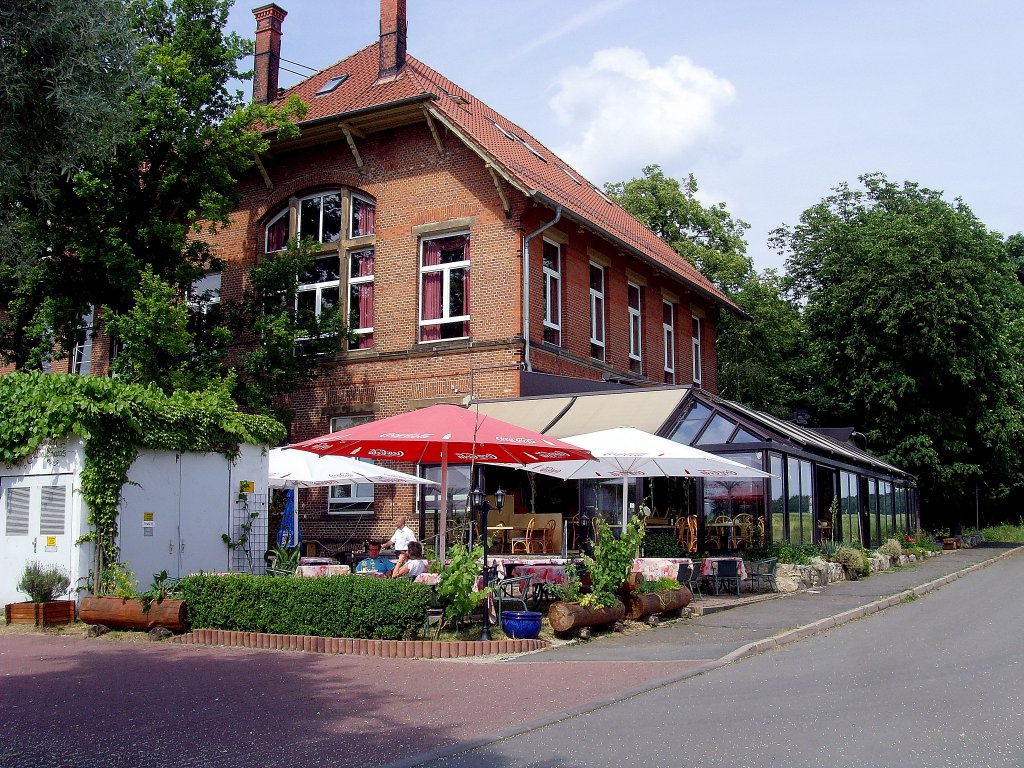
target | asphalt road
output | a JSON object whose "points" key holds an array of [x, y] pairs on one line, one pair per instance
{"points": [[937, 682], [934, 681]]}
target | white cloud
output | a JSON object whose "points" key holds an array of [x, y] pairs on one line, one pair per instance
{"points": [[627, 113]]}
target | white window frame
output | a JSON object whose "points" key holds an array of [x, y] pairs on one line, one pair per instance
{"points": [[81, 356], [320, 225], [553, 293], [698, 364], [355, 281], [446, 282], [635, 322], [358, 493], [319, 289], [597, 313], [668, 336]]}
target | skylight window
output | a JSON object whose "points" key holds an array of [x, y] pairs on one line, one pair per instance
{"points": [[331, 85], [507, 134], [568, 173], [603, 196], [534, 151]]}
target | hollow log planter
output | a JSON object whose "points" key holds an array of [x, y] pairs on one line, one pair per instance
{"points": [[565, 617], [127, 613], [41, 614], [640, 605]]}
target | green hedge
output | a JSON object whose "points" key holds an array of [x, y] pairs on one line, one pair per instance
{"points": [[332, 606]]}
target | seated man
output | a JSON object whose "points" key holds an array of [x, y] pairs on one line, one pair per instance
{"points": [[375, 562]]}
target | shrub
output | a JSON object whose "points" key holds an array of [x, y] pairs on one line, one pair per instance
{"points": [[42, 583], [891, 548], [661, 545], [797, 554], [853, 558], [612, 561], [456, 590], [660, 585], [332, 606]]}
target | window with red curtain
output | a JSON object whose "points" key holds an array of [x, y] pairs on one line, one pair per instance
{"points": [[277, 232], [444, 288], [360, 297], [364, 217]]}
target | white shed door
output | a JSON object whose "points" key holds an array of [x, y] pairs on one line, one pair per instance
{"points": [[35, 517]]}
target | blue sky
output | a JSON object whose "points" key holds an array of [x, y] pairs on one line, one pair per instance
{"points": [[770, 103]]}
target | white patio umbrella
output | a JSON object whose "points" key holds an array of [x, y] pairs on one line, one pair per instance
{"points": [[626, 452], [302, 469]]}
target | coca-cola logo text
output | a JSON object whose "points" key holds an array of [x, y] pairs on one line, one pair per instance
{"points": [[383, 454]]}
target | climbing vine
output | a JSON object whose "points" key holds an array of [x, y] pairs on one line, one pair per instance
{"points": [[116, 420]]}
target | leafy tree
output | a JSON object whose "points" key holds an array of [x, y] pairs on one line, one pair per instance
{"points": [[706, 236], [760, 358], [170, 185], [913, 315]]}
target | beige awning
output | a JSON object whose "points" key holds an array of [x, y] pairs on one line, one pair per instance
{"points": [[562, 416]]}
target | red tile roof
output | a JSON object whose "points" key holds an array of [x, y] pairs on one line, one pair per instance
{"points": [[522, 159]]}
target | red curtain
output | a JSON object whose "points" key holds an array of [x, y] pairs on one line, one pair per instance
{"points": [[364, 217], [277, 234], [362, 296], [432, 291]]}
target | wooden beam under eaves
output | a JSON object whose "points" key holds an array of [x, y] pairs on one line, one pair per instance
{"points": [[263, 172], [433, 131], [501, 192], [350, 133]]}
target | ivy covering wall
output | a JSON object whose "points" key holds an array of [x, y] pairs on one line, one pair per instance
{"points": [[117, 420]]}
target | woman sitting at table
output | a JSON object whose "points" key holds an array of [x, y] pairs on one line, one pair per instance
{"points": [[414, 566]]}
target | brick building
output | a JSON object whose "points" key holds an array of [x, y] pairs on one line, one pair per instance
{"points": [[470, 260]]}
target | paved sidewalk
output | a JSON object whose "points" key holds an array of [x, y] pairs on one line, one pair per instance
{"points": [[724, 633]]}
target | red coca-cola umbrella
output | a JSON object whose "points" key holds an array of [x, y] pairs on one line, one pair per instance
{"points": [[444, 434]]}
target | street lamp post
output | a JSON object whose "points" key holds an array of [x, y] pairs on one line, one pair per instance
{"points": [[479, 501]]}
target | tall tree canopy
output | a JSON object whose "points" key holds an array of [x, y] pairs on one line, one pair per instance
{"points": [[149, 207], [913, 315], [758, 356]]}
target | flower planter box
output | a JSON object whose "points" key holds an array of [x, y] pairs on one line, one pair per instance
{"points": [[641, 605], [127, 613], [567, 616], [41, 614]]}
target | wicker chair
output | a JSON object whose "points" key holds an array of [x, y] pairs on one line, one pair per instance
{"points": [[523, 543]]}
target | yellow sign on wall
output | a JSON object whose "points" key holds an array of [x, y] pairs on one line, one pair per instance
{"points": [[147, 517], [246, 486], [51, 541]]}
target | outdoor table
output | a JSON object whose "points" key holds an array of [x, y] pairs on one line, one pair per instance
{"points": [[317, 561], [428, 578], [654, 568], [506, 564], [323, 570], [542, 578], [725, 532], [707, 567]]}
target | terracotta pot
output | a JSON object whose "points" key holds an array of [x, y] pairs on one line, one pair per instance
{"points": [[41, 614]]}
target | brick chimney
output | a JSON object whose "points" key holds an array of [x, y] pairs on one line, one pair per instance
{"points": [[268, 52], [392, 37]]}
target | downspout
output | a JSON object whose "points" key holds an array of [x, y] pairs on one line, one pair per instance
{"points": [[526, 286]]}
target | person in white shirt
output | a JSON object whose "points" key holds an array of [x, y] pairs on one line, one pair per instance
{"points": [[401, 539]]}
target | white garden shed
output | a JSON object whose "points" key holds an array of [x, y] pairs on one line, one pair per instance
{"points": [[174, 511]]}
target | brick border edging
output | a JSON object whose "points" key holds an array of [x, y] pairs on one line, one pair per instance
{"points": [[389, 649]]}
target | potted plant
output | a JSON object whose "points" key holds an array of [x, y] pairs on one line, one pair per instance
{"points": [[122, 607], [609, 569], [43, 584]]}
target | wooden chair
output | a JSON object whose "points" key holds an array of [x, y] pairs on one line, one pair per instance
{"points": [[683, 533], [691, 523], [522, 543], [722, 527], [743, 524], [548, 544]]}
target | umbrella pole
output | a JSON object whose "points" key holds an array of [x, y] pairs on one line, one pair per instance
{"points": [[442, 528], [625, 502], [295, 520]]}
